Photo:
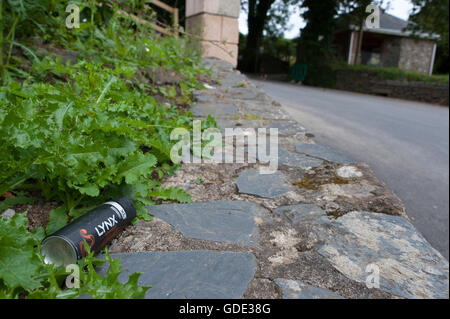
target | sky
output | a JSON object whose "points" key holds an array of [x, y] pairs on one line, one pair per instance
{"points": [[398, 8]]}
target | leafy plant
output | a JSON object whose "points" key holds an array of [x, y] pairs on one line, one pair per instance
{"points": [[23, 272], [83, 129], [398, 74]]}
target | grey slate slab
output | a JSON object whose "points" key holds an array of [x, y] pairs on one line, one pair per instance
{"points": [[302, 212], [408, 266], [263, 110], [323, 152], [203, 96], [286, 127], [243, 124], [263, 185], [295, 289], [223, 221], [247, 94], [288, 158], [214, 109], [189, 274]]}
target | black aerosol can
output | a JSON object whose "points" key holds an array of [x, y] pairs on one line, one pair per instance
{"points": [[97, 228]]}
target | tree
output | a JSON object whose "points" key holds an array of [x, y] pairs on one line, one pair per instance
{"points": [[315, 44], [263, 15], [432, 16]]}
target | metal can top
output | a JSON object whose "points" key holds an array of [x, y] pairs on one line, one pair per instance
{"points": [[58, 251], [128, 206]]}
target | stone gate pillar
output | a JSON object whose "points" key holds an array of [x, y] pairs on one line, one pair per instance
{"points": [[215, 21]]}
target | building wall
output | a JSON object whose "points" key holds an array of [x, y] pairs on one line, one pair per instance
{"points": [[390, 52], [416, 55], [399, 52], [216, 22]]}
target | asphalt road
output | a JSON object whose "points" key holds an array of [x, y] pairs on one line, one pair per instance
{"points": [[405, 143]]}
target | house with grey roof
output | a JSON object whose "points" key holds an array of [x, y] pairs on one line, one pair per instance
{"points": [[390, 45]]}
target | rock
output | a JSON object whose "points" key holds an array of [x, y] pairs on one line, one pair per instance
{"points": [[297, 160], [287, 127], [219, 65], [163, 76], [262, 110], [214, 109], [223, 124], [261, 288], [9, 213], [189, 274], [332, 207], [251, 94], [408, 266], [225, 221], [202, 97], [349, 172], [301, 213], [65, 55], [295, 289], [252, 182], [323, 152]]}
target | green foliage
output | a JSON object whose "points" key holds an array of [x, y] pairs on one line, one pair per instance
{"points": [[277, 16], [58, 219], [265, 18], [19, 199], [97, 127], [315, 45], [85, 131], [24, 274], [19, 262], [399, 74], [432, 16]]}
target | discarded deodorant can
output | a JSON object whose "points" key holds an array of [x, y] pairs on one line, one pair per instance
{"points": [[97, 228]]}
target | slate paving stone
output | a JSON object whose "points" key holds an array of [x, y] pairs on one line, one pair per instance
{"points": [[295, 289], [247, 94], [203, 97], [286, 127], [323, 152], [214, 109], [288, 158], [230, 81], [263, 110], [252, 182], [408, 266], [189, 274], [218, 65], [301, 213], [231, 123], [223, 221]]}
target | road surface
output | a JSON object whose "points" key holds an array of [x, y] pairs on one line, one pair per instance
{"points": [[405, 143]]}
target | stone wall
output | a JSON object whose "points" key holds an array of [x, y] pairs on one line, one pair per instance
{"points": [[370, 83], [416, 55], [321, 226]]}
